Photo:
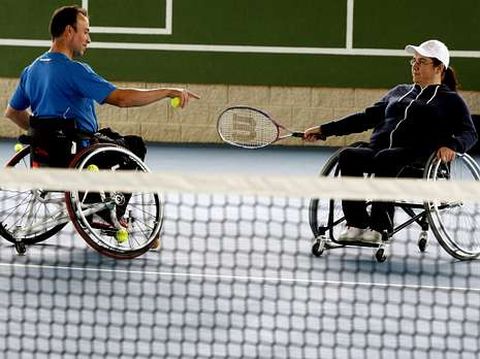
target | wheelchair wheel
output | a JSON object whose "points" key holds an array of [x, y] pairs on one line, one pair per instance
{"points": [[116, 224], [454, 223], [325, 215], [33, 215]]}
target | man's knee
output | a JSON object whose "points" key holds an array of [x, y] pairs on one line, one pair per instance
{"points": [[136, 144]]}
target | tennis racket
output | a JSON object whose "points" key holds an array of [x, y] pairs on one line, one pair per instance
{"points": [[251, 128]]}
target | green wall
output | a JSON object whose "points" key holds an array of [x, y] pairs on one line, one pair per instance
{"points": [[318, 24]]}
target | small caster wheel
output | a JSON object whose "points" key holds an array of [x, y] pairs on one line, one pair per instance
{"points": [[20, 248], [318, 247], [422, 241], [381, 255]]}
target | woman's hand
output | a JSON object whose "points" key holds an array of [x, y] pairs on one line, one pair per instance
{"points": [[446, 154], [313, 134]]}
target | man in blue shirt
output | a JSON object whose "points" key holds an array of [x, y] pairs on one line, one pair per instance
{"points": [[56, 86]]}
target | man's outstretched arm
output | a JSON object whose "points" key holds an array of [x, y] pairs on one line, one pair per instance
{"points": [[123, 97]]}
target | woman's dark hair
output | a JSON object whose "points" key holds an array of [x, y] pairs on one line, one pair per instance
{"points": [[64, 16], [449, 77]]}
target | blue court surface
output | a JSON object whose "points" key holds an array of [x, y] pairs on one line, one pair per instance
{"points": [[235, 278]]}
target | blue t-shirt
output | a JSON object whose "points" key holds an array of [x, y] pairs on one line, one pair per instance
{"points": [[55, 86]]}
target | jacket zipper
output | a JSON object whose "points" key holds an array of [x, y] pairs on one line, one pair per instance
{"points": [[404, 116]]}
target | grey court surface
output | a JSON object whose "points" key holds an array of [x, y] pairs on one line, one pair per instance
{"points": [[235, 279]]}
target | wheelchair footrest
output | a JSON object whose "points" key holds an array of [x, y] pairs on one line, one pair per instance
{"points": [[361, 244]]}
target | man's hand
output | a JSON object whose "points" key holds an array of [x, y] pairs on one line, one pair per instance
{"points": [[184, 96], [446, 154]]}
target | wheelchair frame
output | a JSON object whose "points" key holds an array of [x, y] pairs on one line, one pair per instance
{"points": [[428, 215], [35, 215]]}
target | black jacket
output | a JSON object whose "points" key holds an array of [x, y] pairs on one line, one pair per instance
{"points": [[411, 117]]}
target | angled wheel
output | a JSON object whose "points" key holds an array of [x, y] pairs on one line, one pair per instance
{"points": [[325, 215], [455, 223], [29, 216], [422, 241], [381, 255], [116, 224], [318, 246]]}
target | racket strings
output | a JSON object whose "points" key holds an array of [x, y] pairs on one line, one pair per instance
{"points": [[248, 128]]}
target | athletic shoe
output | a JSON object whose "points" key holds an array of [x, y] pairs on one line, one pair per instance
{"points": [[351, 234], [371, 236]]}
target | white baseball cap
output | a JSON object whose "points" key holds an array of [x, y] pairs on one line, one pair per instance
{"points": [[431, 48]]}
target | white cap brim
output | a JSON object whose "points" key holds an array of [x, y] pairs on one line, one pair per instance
{"points": [[417, 50]]}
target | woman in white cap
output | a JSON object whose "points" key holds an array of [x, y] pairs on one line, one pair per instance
{"points": [[409, 123]]}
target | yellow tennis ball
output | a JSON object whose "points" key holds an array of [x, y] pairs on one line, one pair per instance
{"points": [[175, 102], [92, 168], [18, 147], [122, 235]]}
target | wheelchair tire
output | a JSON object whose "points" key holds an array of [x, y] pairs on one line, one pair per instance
{"points": [[454, 223], [318, 223], [143, 214], [29, 209]]}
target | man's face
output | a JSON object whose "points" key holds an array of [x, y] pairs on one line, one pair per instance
{"points": [[80, 37]]}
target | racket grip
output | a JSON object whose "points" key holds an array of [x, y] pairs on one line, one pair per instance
{"points": [[298, 134]]}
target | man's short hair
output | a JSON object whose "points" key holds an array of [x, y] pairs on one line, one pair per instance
{"points": [[64, 16]]}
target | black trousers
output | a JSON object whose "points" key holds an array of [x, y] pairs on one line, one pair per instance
{"points": [[131, 142], [382, 163]]}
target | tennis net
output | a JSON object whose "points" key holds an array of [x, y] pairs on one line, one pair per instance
{"points": [[235, 275]]}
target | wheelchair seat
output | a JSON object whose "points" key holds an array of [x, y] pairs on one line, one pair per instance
{"points": [[53, 141]]}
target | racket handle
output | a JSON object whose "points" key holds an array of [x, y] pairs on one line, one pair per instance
{"points": [[298, 134]]}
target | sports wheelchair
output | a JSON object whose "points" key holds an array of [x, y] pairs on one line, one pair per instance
{"points": [[116, 224], [454, 224]]}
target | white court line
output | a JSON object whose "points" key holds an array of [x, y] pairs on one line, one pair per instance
{"points": [[298, 50], [167, 30], [349, 38], [245, 278], [237, 48]]}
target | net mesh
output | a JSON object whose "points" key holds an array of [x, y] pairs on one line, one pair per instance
{"points": [[235, 277]]}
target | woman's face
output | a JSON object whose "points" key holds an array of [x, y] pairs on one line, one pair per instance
{"points": [[424, 72]]}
